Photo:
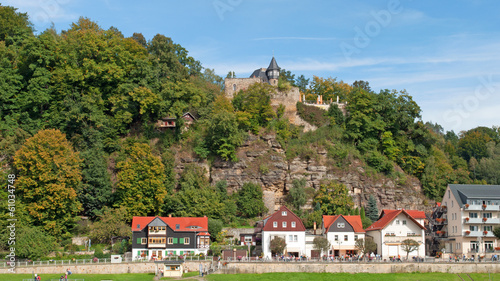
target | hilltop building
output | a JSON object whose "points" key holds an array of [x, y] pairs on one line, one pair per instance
{"points": [[269, 75]]}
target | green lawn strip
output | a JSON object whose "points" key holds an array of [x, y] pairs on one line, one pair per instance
{"points": [[86, 277], [348, 277]]}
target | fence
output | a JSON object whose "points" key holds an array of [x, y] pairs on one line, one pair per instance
{"points": [[99, 261]]}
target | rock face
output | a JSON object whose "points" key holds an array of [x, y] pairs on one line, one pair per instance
{"points": [[262, 160]]}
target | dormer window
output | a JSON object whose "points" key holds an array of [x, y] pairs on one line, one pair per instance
{"points": [[340, 225], [177, 226], [283, 213], [275, 224], [138, 226]]}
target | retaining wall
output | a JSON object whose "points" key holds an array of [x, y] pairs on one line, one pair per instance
{"points": [[482, 267], [109, 268]]}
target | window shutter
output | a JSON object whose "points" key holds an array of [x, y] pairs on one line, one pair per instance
{"points": [[181, 240], [139, 240], [138, 253], [176, 240], [182, 252]]}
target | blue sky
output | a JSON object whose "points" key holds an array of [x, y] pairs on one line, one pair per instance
{"points": [[446, 54]]}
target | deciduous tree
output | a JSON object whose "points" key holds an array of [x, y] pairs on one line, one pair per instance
{"points": [[49, 178]]}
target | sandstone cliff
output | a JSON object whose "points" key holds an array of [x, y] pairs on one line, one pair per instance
{"points": [[262, 160]]}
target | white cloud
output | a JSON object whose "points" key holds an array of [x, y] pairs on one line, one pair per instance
{"points": [[44, 12]]}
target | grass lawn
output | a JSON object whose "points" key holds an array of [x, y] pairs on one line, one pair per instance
{"points": [[86, 277], [348, 277]]}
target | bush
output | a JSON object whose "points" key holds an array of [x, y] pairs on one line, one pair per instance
{"points": [[379, 162], [312, 115], [98, 252]]}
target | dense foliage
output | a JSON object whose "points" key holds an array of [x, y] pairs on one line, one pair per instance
{"points": [[78, 114]]}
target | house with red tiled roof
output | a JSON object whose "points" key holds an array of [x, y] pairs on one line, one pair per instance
{"points": [[342, 233], [287, 225], [395, 226], [160, 237]]}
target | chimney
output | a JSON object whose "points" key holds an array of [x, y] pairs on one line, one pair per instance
{"points": [[169, 215]]}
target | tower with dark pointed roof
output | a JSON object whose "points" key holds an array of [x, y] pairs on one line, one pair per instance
{"points": [[273, 72]]}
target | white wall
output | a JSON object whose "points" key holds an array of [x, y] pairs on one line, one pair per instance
{"points": [[299, 246]]}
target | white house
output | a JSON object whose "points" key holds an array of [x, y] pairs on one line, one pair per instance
{"points": [[466, 219], [342, 233], [285, 224], [395, 226]]}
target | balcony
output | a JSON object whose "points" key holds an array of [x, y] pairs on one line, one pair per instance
{"points": [[473, 220], [486, 234], [157, 245], [473, 207], [492, 208]]}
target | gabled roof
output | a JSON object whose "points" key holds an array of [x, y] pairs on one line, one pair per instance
{"points": [[462, 192], [279, 218], [197, 224], [388, 216], [354, 221]]}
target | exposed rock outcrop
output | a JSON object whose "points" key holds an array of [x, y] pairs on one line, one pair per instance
{"points": [[262, 160]]}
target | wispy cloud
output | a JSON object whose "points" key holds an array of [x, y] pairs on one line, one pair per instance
{"points": [[298, 38], [43, 13]]}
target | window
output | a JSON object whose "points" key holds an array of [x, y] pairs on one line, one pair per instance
{"points": [[488, 228], [487, 215], [290, 238], [177, 226], [452, 203], [293, 224], [449, 195], [295, 238], [404, 222], [170, 240], [234, 87], [488, 245], [336, 238], [473, 215], [283, 224], [248, 238], [186, 241], [473, 228], [144, 241], [156, 240], [346, 238], [283, 213], [397, 222], [355, 237], [340, 225], [275, 224]]}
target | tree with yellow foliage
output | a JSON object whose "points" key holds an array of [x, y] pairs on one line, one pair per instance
{"points": [[49, 175]]}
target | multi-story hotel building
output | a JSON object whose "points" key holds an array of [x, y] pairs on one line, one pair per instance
{"points": [[466, 219]]}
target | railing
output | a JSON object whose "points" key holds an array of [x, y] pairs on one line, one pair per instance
{"points": [[103, 261], [474, 207]]}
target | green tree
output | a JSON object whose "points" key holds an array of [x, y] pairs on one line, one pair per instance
{"points": [[223, 135], [33, 242], [473, 144], [409, 245], [111, 223], [249, 200], [321, 244], [297, 196], [214, 227], [277, 245], [14, 26], [253, 106], [334, 199], [372, 208], [49, 177], [140, 189], [336, 114], [365, 246], [195, 197]]}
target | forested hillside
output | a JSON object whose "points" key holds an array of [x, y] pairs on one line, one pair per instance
{"points": [[78, 110]]}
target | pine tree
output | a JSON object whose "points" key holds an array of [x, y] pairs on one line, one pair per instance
{"points": [[372, 208]]}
